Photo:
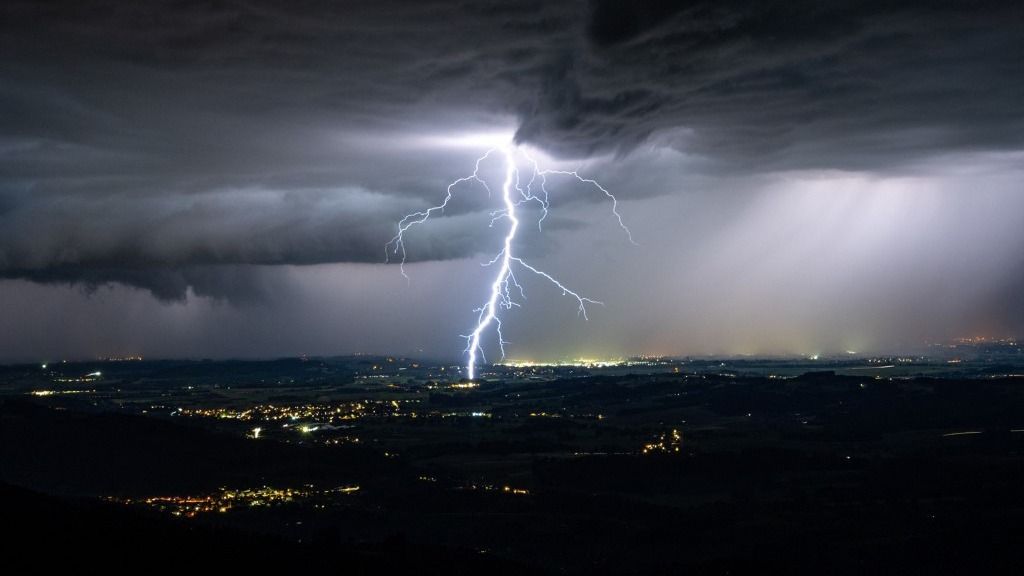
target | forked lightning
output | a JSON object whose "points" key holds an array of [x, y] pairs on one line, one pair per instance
{"points": [[514, 192]]}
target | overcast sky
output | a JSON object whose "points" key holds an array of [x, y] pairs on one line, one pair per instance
{"points": [[212, 179]]}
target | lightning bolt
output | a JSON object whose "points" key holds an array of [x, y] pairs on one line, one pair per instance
{"points": [[514, 193]]}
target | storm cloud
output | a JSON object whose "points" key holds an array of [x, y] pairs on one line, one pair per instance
{"points": [[198, 147]]}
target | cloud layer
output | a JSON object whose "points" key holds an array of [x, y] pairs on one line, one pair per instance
{"points": [[193, 145]]}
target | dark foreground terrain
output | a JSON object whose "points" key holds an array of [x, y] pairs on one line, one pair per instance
{"points": [[355, 466]]}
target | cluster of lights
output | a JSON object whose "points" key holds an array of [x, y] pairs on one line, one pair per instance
{"points": [[986, 340], [589, 362], [576, 363], [667, 443], [891, 360], [462, 414], [90, 377], [54, 392], [225, 499], [504, 489], [321, 412], [453, 386], [327, 417], [342, 440]]}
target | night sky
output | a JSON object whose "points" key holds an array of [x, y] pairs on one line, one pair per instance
{"points": [[219, 179]]}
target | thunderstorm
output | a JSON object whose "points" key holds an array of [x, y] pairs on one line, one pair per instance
{"points": [[516, 190]]}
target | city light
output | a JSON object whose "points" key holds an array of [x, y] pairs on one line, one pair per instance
{"points": [[226, 499]]}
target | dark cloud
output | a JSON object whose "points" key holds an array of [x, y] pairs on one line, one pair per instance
{"points": [[790, 84], [239, 284], [167, 245], [162, 144]]}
